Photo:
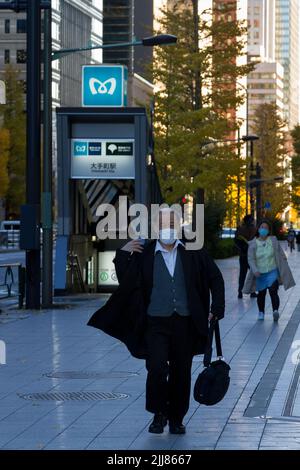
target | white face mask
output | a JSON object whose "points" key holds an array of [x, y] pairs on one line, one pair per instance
{"points": [[168, 235]]}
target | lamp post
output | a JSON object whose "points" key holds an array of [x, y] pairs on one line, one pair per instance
{"points": [[256, 182], [251, 139]]}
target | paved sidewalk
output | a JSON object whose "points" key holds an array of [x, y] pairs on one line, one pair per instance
{"points": [[53, 351]]}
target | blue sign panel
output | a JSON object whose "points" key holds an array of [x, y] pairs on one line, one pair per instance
{"points": [[95, 148], [80, 148], [104, 85]]}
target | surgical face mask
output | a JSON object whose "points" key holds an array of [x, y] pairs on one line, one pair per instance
{"points": [[168, 235], [263, 232]]}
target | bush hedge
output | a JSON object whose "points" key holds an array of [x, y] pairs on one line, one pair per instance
{"points": [[224, 248]]}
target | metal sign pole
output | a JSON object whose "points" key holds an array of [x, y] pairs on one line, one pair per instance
{"points": [[33, 163]]}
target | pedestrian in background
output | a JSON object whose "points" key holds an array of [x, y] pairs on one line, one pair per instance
{"points": [[268, 269], [245, 232], [298, 240], [291, 236]]}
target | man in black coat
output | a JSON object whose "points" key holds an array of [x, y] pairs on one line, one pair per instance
{"points": [[161, 310], [244, 234]]}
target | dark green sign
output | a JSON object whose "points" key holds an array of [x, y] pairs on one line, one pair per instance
{"points": [[119, 148]]}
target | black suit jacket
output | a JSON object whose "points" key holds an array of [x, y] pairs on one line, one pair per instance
{"points": [[124, 314]]}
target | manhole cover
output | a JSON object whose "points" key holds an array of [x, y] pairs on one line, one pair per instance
{"points": [[73, 396], [90, 375]]}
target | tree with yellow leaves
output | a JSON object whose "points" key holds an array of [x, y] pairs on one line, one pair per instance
{"points": [[4, 152]]}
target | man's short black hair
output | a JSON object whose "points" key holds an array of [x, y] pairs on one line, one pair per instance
{"points": [[248, 219]]}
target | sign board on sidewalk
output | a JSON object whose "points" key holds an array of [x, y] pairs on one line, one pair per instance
{"points": [[107, 270], [104, 85], [102, 158]]}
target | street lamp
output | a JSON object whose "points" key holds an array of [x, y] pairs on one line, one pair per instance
{"points": [[250, 138], [256, 182], [158, 40]]}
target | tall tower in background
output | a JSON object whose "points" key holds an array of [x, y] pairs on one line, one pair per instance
{"points": [[122, 21], [261, 35], [265, 83], [287, 54], [118, 26]]}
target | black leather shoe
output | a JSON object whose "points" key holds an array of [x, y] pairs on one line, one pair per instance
{"points": [[158, 424], [240, 295], [177, 428], [253, 295]]}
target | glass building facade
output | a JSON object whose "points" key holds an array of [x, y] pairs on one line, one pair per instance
{"points": [[287, 54], [118, 26]]}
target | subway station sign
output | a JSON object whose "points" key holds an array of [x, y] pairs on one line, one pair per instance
{"points": [[102, 158], [104, 85]]}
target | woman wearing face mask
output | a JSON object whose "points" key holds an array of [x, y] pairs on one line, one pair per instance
{"points": [[268, 269]]}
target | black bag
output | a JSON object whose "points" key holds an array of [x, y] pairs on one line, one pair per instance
{"points": [[213, 382]]}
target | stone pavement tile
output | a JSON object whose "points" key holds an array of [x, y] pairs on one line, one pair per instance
{"points": [[283, 435], [46, 343], [112, 431], [9, 432], [25, 444], [148, 441], [68, 443], [108, 443], [236, 446]]}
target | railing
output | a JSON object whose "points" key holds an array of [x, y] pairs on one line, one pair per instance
{"points": [[9, 281], [74, 273], [9, 239]]}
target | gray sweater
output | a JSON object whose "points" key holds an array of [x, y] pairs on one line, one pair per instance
{"points": [[168, 293]]}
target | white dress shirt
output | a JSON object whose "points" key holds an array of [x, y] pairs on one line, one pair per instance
{"points": [[168, 256]]}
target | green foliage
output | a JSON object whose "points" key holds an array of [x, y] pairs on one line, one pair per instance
{"points": [[214, 214], [270, 151], [13, 119], [194, 97], [225, 248], [4, 146]]}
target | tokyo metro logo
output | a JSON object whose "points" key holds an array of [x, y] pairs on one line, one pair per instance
{"points": [[96, 86]]}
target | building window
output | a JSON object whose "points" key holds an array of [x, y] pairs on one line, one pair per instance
{"points": [[55, 31], [21, 56], [7, 26], [55, 91], [21, 26], [55, 5], [7, 56]]}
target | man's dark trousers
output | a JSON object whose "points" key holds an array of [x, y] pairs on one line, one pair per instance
{"points": [[243, 271], [169, 363]]}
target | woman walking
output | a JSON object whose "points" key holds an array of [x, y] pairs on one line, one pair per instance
{"points": [[268, 269]]}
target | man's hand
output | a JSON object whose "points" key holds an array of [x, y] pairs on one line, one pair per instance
{"points": [[133, 245], [257, 274], [210, 317]]}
